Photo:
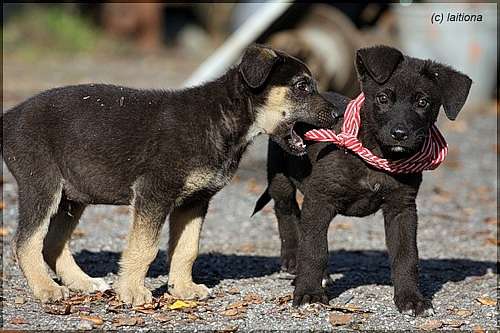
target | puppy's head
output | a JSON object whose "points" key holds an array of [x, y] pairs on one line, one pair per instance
{"points": [[284, 96], [403, 96]]}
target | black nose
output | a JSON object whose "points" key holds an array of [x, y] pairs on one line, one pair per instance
{"points": [[399, 133]]}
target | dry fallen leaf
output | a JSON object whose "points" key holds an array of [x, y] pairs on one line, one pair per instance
{"points": [[463, 312], [486, 301], [254, 187], [454, 323], [93, 319], [229, 329], [233, 291], [253, 298], [128, 321], [57, 309], [478, 329], [490, 220], [162, 318], [237, 305], [348, 308], [18, 321], [78, 233], [339, 319], [182, 305], [283, 299], [230, 312], [431, 325], [247, 248], [2, 205]]}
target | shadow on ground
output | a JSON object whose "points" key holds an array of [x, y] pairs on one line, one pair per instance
{"points": [[358, 268]]}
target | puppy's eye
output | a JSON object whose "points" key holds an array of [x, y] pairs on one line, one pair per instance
{"points": [[422, 103], [382, 98], [303, 86]]}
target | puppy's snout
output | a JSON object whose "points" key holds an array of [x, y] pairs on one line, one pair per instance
{"points": [[399, 133]]}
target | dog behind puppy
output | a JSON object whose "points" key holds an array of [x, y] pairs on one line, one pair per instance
{"points": [[161, 152], [403, 96]]}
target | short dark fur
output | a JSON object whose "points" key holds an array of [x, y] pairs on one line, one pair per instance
{"points": [[114, 145], [335, 181]]}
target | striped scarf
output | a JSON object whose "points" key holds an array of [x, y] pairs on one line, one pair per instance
{"points": [[430, 156]]}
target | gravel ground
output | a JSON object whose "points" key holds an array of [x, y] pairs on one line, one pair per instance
{"points": [[240, 255]]}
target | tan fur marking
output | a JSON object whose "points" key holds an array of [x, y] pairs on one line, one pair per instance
{"points": [[30, 259], [185, 229], [277, 104], [142, 248], [197, 180], [58, 255]]}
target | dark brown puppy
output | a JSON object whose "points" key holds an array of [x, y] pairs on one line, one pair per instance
{"points": [[160, 152], [403, 98]]}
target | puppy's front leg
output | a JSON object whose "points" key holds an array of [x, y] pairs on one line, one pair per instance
{"points": [[400, 220], [185, 228], [312, 256], [149, 213]]}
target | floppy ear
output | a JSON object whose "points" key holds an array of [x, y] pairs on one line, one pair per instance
{"points": [[454, 88], [256, 64], [379, 62]]}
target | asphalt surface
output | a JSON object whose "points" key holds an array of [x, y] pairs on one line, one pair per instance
{"points": [[240, 255]]}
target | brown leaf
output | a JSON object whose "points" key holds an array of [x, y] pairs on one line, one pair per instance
{"points": [[236, 305], [339, 319], [247, 248], [253, 298], [78, 233], [18, 321], [128, 321], [2, 205], [254, 187], [454, 323], [478, 329], [57, 309], [349, 308], [230, 312], [492, 241], [233, 291], [431, 325], [145, 311], [162, 318], [283, 299], [229, 329], [463, 312], [93, 319], [486, 301]]}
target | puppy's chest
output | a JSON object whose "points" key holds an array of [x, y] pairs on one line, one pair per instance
{"points": [[368, 194]]}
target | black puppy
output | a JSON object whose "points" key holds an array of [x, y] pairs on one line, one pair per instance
{"points": [[160, 152], [403, 98]]}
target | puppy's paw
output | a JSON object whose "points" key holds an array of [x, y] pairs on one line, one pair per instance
{"points": [[88, 285], [413, 304], [309, 295], [188, 290], [134, 295], [51, 293]]}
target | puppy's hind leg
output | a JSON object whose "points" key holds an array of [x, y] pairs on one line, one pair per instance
{"points": [[287, 211], [38, 201], [58, 255], [149, 213], [185, 228]]}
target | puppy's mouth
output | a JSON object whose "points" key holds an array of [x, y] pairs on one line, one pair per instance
{"points": [[398, 149], [296, 141]]}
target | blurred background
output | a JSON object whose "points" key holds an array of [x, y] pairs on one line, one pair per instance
{"points": [[161, 44]]}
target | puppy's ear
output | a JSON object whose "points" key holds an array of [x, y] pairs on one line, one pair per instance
{"points": [[379, 62], [454, 88], [256, 64]]}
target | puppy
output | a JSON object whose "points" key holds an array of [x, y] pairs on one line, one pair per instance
{"points": [[403, 96], [161, 152]]}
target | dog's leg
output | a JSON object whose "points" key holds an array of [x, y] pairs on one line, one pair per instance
{"points": [[58, 255], [312, 254], [287, 211], [400, 221], [185, 228], [149, 213], [38, 201]]}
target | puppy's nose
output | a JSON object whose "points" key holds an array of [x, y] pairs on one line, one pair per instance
{"points": [[399, 133]]}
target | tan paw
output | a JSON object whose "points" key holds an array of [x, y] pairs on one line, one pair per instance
{"points": [[88, 285], [135, 295], [51, 293], [188, 290]]}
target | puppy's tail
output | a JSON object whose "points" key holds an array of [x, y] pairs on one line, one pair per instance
{"points": [[262, 201]]}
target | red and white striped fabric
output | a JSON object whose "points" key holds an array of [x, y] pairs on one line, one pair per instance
{"points": [[431, 155]]}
